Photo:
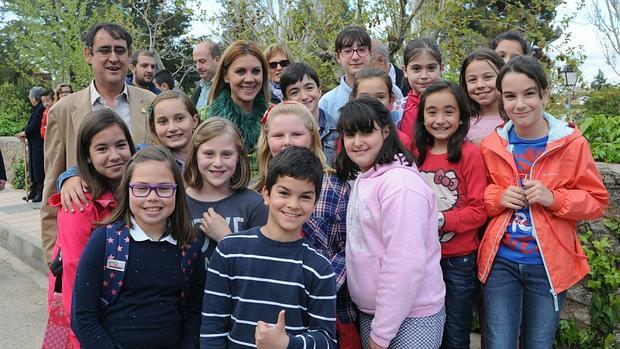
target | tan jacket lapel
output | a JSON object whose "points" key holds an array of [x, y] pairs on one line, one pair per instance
{"points": [[81, 108], [139, 121]]}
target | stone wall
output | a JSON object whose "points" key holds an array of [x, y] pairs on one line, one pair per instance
{"points": [[578, 299], [12, 151]]}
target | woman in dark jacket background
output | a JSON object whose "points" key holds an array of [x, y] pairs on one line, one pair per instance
{"points": [[32, 133]]}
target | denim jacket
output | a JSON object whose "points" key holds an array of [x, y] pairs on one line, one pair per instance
{"points": [[329, 136]]}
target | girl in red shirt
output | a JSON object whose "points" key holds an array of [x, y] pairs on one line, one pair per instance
{"points": [[453, 168]]}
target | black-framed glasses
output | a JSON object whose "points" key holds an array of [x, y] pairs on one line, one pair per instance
{"points": [[362, 51], [283, 63], [105, 51], [142, 190]]}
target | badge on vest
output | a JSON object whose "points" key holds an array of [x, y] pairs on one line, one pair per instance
{"points": [[115, 264]]}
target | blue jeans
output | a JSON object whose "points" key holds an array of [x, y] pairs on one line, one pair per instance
{"points": [[518, 300], [462, 291]]}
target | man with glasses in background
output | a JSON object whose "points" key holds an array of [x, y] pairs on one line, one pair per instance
{"points": [[353, 47], [107, 50]]}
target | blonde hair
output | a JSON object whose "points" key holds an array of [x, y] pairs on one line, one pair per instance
{"points": [[277, 47], [209, 129], [235, 50], [264, 156]]}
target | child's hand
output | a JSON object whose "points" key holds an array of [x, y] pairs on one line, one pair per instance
{"points": [[72, 192], [537, 193], [214, 225], [373, 345], [514, 198], [271, 337]]}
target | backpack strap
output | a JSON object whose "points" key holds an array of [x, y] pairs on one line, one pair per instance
{"points": [[115, 262]]}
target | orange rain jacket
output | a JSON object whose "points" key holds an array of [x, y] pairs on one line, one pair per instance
{"points": [[567, 168]]}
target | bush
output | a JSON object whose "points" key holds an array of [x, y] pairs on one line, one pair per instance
{"points": [[14, 109], [603, 134], [604, 101], [603, 283], [19, 169]]}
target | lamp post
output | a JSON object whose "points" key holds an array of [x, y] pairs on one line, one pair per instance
{"points": [[570, 80]]}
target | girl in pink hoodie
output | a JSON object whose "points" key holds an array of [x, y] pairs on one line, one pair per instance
{"points": [[392, 250]]}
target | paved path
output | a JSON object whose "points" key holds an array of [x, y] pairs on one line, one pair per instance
{"points": [[20, 228], [23, 303]]}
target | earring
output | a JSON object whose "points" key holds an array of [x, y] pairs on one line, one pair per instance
{"points": [[88, 161]]}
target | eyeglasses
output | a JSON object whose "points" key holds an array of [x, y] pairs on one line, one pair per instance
{"points": [[105, 51], [64, 92], [283, 63], [142, 190], [362, 51]]}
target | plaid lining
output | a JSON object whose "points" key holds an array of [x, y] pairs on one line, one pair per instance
{"points": [[326, 231]]}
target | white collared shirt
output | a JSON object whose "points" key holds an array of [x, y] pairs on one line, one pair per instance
{"points": [[121, 103], [138, 234], [205, 89], [392, 73]]}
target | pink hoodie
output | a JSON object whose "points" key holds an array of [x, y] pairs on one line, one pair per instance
{"points": [[393, 250]]}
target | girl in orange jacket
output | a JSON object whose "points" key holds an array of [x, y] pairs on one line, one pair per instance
{"points": [[543, 179]]}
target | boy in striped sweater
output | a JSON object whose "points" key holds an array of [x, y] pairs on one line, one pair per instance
{"points": [[266, 287]]}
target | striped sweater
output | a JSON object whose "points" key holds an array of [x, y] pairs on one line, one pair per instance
{"points": [[251, 278]]}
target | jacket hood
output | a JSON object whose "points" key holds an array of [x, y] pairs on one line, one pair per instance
{"points": [[558, 129], [399, 162]]}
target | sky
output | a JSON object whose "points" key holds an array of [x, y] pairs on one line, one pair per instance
{"points": [[585, 34], [582, 32]]}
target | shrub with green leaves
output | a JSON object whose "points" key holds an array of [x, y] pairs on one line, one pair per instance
{"points": [[604, 283], [604, 101], [603, 134], [14, 109], [19, 180]]}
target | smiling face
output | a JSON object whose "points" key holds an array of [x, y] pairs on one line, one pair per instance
{"points": [[376, 88], [174, 124], [480, 77], [245, 78], [109, 70], [508, 49], [217, 161], [47, 101], [287, 130], [441, 118], [524, 105], [64, 91], [305, 92], [364, 148], [290, 203], [152, 212], [109, 151], [421, 71]]}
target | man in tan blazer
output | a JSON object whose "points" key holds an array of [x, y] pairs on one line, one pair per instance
{"points": [[108, 51]]}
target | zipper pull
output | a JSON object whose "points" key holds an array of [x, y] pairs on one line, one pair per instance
{"points": [[555, 300]]}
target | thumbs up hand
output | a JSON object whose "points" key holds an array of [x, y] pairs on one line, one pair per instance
{"points": [[271, 336]]}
